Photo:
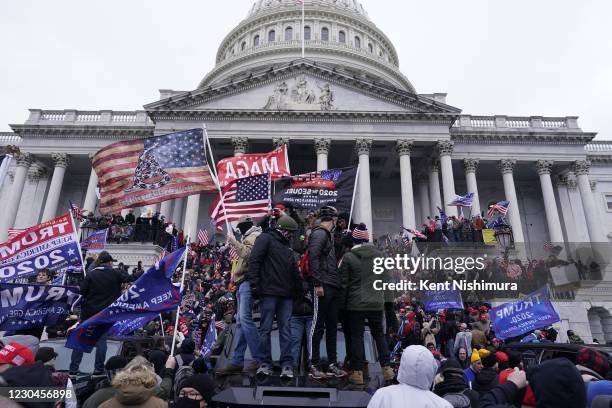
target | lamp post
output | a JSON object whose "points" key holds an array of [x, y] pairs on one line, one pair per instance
{"points": [[504, 238]]}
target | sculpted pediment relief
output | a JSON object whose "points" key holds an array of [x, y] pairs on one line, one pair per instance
{"points": [[301, 96]]}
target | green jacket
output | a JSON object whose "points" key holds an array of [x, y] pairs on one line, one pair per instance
{"points": [[357, 276]]}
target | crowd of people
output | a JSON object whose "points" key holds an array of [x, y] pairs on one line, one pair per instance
{"points": [[309, 275]]}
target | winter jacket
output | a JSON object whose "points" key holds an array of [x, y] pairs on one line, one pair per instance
{"points": [[243, 249], [500, 396], [357, 279], [273, 267], [486, 379], [463, 339], [415, 376], [429, 331], [322, 258], [303, 305], [101, 287], [557, 383], [134, 396]]}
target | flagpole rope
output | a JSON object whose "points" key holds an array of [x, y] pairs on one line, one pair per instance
{"points": [[216, 179], [178, 308]]}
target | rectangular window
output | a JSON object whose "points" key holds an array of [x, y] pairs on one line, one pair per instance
{"points": [[608, 200]]}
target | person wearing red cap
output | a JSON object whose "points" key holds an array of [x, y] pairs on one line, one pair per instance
{"points": [[15, 355]]}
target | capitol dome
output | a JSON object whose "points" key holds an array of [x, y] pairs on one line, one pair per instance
{"points": [[338, 34]]}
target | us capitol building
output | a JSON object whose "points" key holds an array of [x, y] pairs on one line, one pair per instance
{"points": [[346, 102]]}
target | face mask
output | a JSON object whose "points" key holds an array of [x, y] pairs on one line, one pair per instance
{"points": [[286, 234], [187, 403]]}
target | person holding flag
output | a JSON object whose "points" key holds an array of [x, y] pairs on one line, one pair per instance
{"points": [[100, 288]]}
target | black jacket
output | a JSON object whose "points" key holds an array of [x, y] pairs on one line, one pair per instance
{"points": [[486, 379], [272, 267], [322, 258], [500, 396], [100, 288], [557, 383]]}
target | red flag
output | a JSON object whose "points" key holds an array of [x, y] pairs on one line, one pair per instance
{"points": [[275, 163], [139, 172]]}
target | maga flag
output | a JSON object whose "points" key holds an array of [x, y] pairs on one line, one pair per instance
{"points": [[275, 163], [95, 242], [52, 245], [139, 172], [152, 294], [314, 190]]}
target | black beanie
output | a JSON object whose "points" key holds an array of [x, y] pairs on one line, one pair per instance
{"points": [[202, 383], [187, 346], [115, 363]]}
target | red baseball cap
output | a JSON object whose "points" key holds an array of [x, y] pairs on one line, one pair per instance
{"points": [[16, 354]]}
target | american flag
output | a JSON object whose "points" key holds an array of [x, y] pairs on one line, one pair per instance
{"points": [[232, 252], [416, 233], [246, 196], [203, 237], [360, 234], [161, 256], [139, 172], [77, 212], [500, 207], [463, 201], [220, 325], [13, 232]]}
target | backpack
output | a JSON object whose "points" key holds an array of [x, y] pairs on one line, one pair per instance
{"points": [[458, 400], [303, 265], [183, 372]]}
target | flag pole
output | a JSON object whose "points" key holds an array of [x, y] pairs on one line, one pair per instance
{"points": [[348, 226], [178, 308], [78, 243], [303, 25], [216, 178]]}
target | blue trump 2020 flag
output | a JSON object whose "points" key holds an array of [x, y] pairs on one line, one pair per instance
{"points": [[209, 340], [443, 299], [95, 242], [534, 311], [25, 306], [151, 294]]}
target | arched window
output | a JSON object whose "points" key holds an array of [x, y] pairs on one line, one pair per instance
{"points": [[325, 34], [370, 47], [357, 42], [256, 41], [342, 37], [288, 34], [243, 46], [307, 33], [271, 36]]}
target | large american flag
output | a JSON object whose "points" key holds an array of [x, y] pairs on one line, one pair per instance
{"points": [[139, 172], [500, 207], [203, 237], [13, 232], [77, 212], [246, 196]]}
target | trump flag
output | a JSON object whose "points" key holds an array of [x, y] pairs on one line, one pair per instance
{"points": [[275, 163], [153, 293], [52, 245], [139, 172]]}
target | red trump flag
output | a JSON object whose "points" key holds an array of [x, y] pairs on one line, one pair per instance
{"points": [[139, 172], [275, 163]]}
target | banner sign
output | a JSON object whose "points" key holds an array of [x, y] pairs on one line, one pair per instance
{"points": [[275, 163], [52, 245], [33, 305], [314, 190], [488, 236], [152, 294], [95, 242], [443, 299], [534, 311]]}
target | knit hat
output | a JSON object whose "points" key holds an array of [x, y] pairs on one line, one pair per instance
{"points": [[360, 234], [501, 357], [16, 354], [475, 356], [202, 383], [487, 357], [593, 359], [187, 346]]}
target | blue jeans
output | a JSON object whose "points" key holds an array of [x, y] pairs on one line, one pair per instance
{"points": [[77, 356], [281, 307], [246, 331], [300, 325]]}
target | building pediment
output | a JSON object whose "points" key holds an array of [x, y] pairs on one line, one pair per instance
{"points": [[301, 87]]}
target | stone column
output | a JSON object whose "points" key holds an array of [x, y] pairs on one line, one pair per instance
{"points": [[90, 197], [322, 148], [424, 200], [279, 141], [7, 221], [365, 199], [434, 187], [241, 145], [191, 217], [166, 210], [177, 212], [582, 232], [593, 221], [506, 166], [60, 162], [404, 148], [445, 149], [555, 233], [471, 165]]}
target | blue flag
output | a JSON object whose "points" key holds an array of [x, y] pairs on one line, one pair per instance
{"points": [[534, 311], [443, 215], [209, 340], [95, 242], [497, 223], [443, 299], [152, 294], [25, 306], [463, 201]]}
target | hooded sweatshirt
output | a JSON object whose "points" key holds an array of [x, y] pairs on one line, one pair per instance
{"points": [[557, 383], [134, 395], [415, 376]]}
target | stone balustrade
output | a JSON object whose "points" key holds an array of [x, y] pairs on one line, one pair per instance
{"points": [[7, 138], [56, 117], [599, 146], [516, 122]]}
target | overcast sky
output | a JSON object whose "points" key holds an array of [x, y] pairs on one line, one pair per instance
{"points": [[514, 57]]}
